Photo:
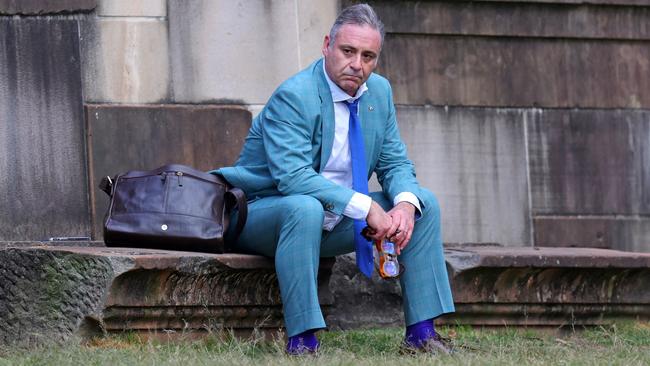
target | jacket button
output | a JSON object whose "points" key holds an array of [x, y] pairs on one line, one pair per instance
{"points": [[329, 206]]}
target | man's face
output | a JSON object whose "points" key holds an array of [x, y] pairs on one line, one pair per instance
{"points": [[352, 56]]}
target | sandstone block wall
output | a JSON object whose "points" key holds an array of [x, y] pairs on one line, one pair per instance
{"points": [[125, 50], [204, 51], [528, 119], [43, 187], [242, 50]]}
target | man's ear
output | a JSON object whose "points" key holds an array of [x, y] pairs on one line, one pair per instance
{"points": [[326, 45]]}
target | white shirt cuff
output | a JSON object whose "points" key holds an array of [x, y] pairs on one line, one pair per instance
{"points": [[358, 207], [410, 198]]}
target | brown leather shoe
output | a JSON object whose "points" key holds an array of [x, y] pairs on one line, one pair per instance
{"points": [[436, 345]]}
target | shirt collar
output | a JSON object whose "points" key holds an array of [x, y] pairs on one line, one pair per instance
{"points": [[338, 95]]}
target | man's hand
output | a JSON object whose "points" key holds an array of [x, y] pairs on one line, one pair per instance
{"points": [[403, 221], [379, 222]]}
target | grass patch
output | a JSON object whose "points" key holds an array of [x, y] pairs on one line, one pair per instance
{"points": [[618, 344]]}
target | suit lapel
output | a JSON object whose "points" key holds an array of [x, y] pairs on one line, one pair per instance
{"points": [[327, 114]]}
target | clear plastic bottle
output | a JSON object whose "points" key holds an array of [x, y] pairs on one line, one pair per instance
{"points": [[388, 265]]}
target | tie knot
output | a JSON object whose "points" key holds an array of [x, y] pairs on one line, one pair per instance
{"points": [[353, 105]]}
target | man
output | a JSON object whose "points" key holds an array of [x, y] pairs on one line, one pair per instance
{"points": [[305, 167]]}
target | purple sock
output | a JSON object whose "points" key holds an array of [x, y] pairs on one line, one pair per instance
{"points": [[417, 334], [303, 343]]}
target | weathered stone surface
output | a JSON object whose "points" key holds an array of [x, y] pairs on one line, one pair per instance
{"points": [[615, 232], [201, 32], [363, 302], [41, 7], [273, 45], [56, 243], [514, 19], [547, 286], [509, 72], [494, 285], [122, 138], [43, 187], [45, 295], [462, 258], [55, 293], [315, 17], [590, 162], [474, 160], [125, 60], [132, 8]]}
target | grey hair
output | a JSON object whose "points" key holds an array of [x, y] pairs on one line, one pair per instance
{"points": [[359, 14]]}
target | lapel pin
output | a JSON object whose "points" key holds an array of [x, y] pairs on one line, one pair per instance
{"points": [[371, 108]]}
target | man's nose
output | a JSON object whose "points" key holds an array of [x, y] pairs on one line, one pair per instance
{"points": [[356, 62]]}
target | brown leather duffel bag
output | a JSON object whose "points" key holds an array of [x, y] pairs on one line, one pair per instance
{"points": [[174, 207]]}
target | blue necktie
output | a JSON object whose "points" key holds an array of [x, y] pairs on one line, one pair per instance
{"points": [[363, 248]]}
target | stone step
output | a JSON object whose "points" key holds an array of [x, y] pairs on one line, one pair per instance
{"points": [[57, 292], [505, 286], [548, 286]]}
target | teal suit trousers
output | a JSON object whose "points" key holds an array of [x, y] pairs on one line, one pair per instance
{"points": [[289, 229]]}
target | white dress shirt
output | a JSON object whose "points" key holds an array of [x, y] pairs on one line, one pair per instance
{"points": [[339, 166]]}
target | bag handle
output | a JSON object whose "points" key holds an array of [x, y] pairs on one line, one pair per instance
{"points": [[174, 168], [235, 197]]}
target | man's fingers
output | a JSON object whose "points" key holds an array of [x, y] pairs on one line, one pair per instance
{"points": [[398, 234], [379, 221], [400, 229], [394, 227], [371, 234], [406, 240], [380, 232], [404, 237], [399, 244]]}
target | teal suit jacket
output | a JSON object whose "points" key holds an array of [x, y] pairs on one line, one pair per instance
{"points": [[291, 139]]}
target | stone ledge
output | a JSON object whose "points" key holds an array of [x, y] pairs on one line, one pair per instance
{"points": [[505, 286], [547, 286], [460, 257], [52, 293]]}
